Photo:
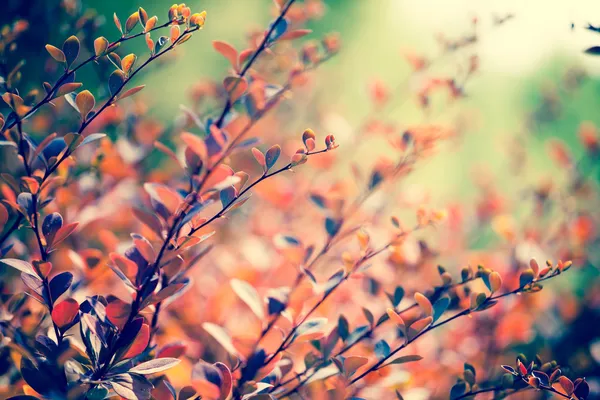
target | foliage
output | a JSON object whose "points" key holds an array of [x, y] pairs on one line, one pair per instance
{"points": [[132, 286]]}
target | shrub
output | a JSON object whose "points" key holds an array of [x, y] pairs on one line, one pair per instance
{"points": [[279, 301]]}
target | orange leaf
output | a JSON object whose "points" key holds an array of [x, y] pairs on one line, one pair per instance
{"points": [[235, 86], [196, 144], [56, 53], [131, 91], [175, 32], [127, 62], [85, 102], [227, 51], [424, 303], [291, 35]]}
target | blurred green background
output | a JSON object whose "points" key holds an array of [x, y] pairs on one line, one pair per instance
{"points": [[505, 99]]}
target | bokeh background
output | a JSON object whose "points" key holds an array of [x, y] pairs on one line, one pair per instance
{"points": [[533, 84]]}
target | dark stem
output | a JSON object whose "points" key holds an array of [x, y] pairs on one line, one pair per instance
{"points": [[259, 50]]}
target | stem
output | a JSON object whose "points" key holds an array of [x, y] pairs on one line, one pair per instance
{"points": [[109, 102], [68, 73], [259, 50]]}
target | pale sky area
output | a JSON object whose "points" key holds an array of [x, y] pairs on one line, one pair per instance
{"points": [[541, 27]]}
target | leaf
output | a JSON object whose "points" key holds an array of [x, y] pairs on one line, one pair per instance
{"points": [[196, 144], [52, 223], [207, 380], [227, 196], [248, 295], [56, 53], [139, 343], [67, 88], [100, 46], [311, 326], [153, 366], [64, 313], [60, 284], [343, 327], [566, 384], [595, 50], [71, 50], [272, 155], [117, 23], [279, 29], [295, 34], [458, 390], [64, 232], [116, 80], [353, 363], [424, 304], [440, 307], [405, 359], [85, 103], [418, 326], [582, 389], [332, 226], [382, 349], [221, 337], [260, 158], [235, 86], [131, 22], [117, 312], [20, 265], [131, 387], [526, 277], [127, 62], [227, 380], [227, 51], [131, 92], [92, 138], [174, 33]]}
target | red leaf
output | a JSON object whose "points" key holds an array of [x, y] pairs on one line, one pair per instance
{"points": [[64, 232], [140, 342], [174, 350], [227, 380], [228, 51], [65, 312], [117, 312]]}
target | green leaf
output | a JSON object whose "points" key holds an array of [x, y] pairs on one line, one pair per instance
{"points": [[440, 307], [153, 366]]}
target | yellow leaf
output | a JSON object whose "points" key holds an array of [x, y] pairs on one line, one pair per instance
{"points": [[85, 102], [100, 46], [56, 53], [127, 62]]}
